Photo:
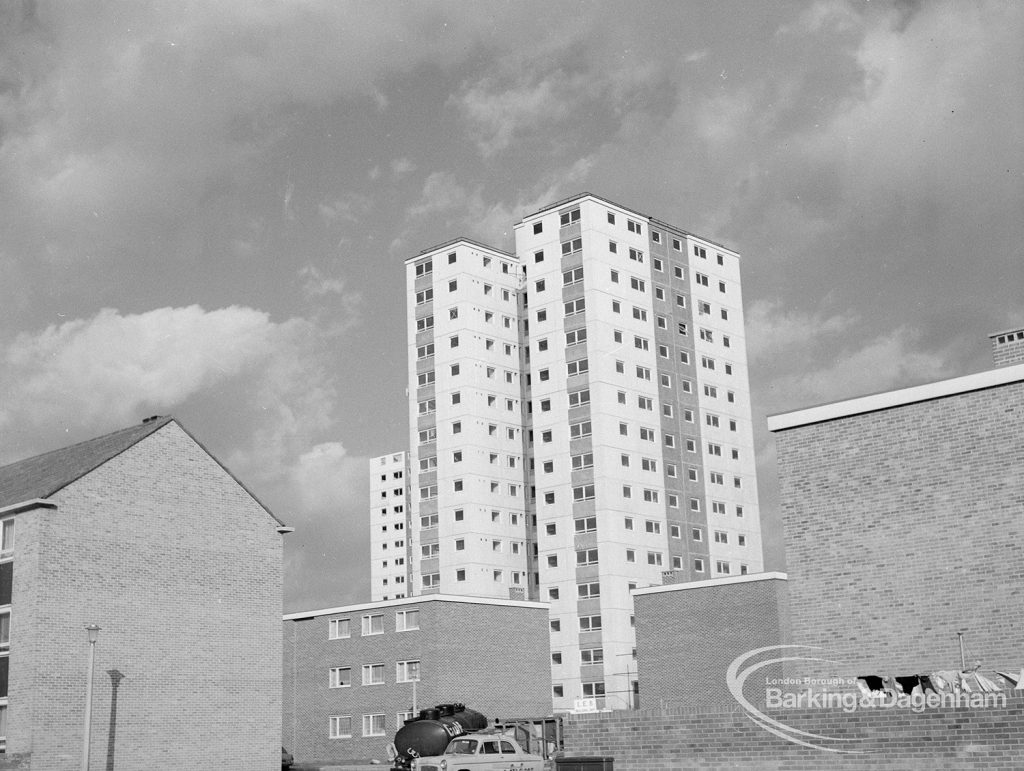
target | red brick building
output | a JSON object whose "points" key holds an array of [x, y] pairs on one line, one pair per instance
{"points": [[145, 534], [353, 674], [904, 517]]}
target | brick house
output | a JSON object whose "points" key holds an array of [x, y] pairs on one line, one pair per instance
{"points": [[147, 535], [352, 674], [904, 519]]}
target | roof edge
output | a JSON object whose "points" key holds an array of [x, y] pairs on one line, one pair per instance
{"points": [[27, 505], [460, 240], [458, 598], [888, 399], [712, 582]]}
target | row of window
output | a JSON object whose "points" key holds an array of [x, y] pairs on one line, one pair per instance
{"points": [[340, 726], [516, 577], [373, 623], [373, 674]]}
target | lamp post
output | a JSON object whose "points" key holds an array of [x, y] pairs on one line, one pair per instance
{"points": [[92, 631]]}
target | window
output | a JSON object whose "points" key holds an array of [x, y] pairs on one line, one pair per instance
{"points": [[585, 524], [590, 623], [706, 335], [425, 378], [424, 351], [574, 276], [574, 307], [711, 420], [617, 335], [341, 726], [700, 251], [538, 256], [632, 227], [427, 322], [652, 527], [741, 540], [642, 343], [407, 671], [576, 337], [636, 255], [707, 363], [592, 656], [637, 284], [455, 369], [647, 434], [654, 558], [718, 507], [426, 406], [579, 430], [338, 628], [542, 315], [627, 491], [431, 580], [721, 536], [644, 373], [714, 449], [373, 674], [667, 410], [627, 523], [615, 276], [620, 366], [569, 217], [717, 478], [721, 287], [725, 315], [582, 461], [593, 689], [428, 521], [373, 624], [583, 493], [586, 557], [721, 566], [578, 367], [373, 725], [577, 398], [425, 296], [613, 247], [651, 496], [659, 293], [645, 402], [539, 285], [571, 247], [460, 575], [698, 566], [538, 227], [341, 677], [585, 591], [677, 244]]}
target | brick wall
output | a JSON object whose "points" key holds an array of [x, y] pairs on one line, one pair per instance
{"points": [[182, 570], [905, 525], [896, 739], [687, 637], [493, 658]]}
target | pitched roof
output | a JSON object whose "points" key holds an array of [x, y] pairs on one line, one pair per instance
{"points": [[44, 475]]}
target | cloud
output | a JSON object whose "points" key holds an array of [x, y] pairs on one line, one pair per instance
{"points": [[400, 167], [466, 209], [113, 367], [331, 489]]}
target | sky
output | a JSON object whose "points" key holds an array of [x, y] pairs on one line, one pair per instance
{"points": [[205, 207]]}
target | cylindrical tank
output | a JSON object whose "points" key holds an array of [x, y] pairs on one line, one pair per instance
{"points": [[430, 733]]}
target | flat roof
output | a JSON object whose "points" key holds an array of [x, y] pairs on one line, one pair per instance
{"points": [[710, 582], [419, 600], [461, 240], [888, 399], [1015, 331], [564, 201]]}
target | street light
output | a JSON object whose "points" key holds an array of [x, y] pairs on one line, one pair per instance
{"points": [[92, 631]]}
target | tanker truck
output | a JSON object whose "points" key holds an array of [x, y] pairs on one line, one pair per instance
{"points": [[450, 737]]}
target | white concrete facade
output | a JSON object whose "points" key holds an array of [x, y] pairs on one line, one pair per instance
{"points": [[468, 492], [580, 424], [389, 527]]}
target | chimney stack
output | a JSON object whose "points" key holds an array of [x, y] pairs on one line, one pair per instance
{"points": [[1008, 347]]}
